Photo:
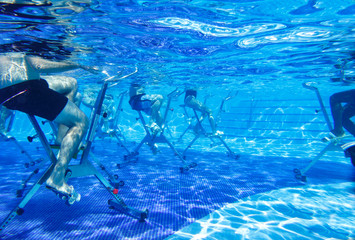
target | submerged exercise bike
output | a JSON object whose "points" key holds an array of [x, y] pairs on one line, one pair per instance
{"points": [[84, 168], [336, 144]]}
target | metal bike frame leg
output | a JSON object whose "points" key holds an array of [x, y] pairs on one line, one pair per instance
{"points": [[204, 134], [188, 127], [117, 131], [190, 144], [117, 136], [12, 139], [6, 137], [316, 158], [85, 168], [324, 111], [18, 210], [231, 153]]}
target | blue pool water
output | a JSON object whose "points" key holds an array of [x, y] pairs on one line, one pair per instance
{"points": [[258, 52]]}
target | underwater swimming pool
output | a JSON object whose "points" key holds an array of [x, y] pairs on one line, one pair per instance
{"points": [[248, 60]]}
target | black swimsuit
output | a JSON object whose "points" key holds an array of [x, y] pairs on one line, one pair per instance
{"points": [[140, 105], [190, 92], [33, 97]]}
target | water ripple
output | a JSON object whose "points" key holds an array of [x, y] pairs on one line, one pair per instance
{"points": [[301, 34], [218, 31]]}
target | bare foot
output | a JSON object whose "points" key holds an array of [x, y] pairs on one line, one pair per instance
{"points": [[56, 181], [64, 188]]}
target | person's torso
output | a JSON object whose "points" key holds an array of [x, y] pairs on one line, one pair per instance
{"points": [[136, 90], [14, 69]]}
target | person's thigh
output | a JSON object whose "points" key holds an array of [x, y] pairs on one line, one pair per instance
{"points": [[344, 97], [152, 97], [71, 115], [193, 103], [62, 84]]}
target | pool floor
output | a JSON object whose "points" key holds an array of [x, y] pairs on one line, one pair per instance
{"points": [[222, 198]]}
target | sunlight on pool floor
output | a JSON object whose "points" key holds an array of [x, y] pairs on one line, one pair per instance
{"points": [[312, 211]]}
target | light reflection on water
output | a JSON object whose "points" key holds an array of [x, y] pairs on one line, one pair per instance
{"points": [[312, 211], [303, 34], [218, 31]]}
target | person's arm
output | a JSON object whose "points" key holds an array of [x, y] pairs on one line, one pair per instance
{"points": [[47, 66]]}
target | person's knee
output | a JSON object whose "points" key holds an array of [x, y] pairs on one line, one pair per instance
{"points": [[160, 97], [158, 100], [73, 88], [206, 110], [84, 123], [78, 99], [72, 116], [73, 83], [68, 87], [62, 84]]}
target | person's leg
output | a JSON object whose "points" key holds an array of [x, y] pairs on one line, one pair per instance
{"points": [[337, 110], [68, 86], [212, 123], [157, 101], [77, 122], [78, 99], [193, 103], [4, 115], [349, 112]]}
